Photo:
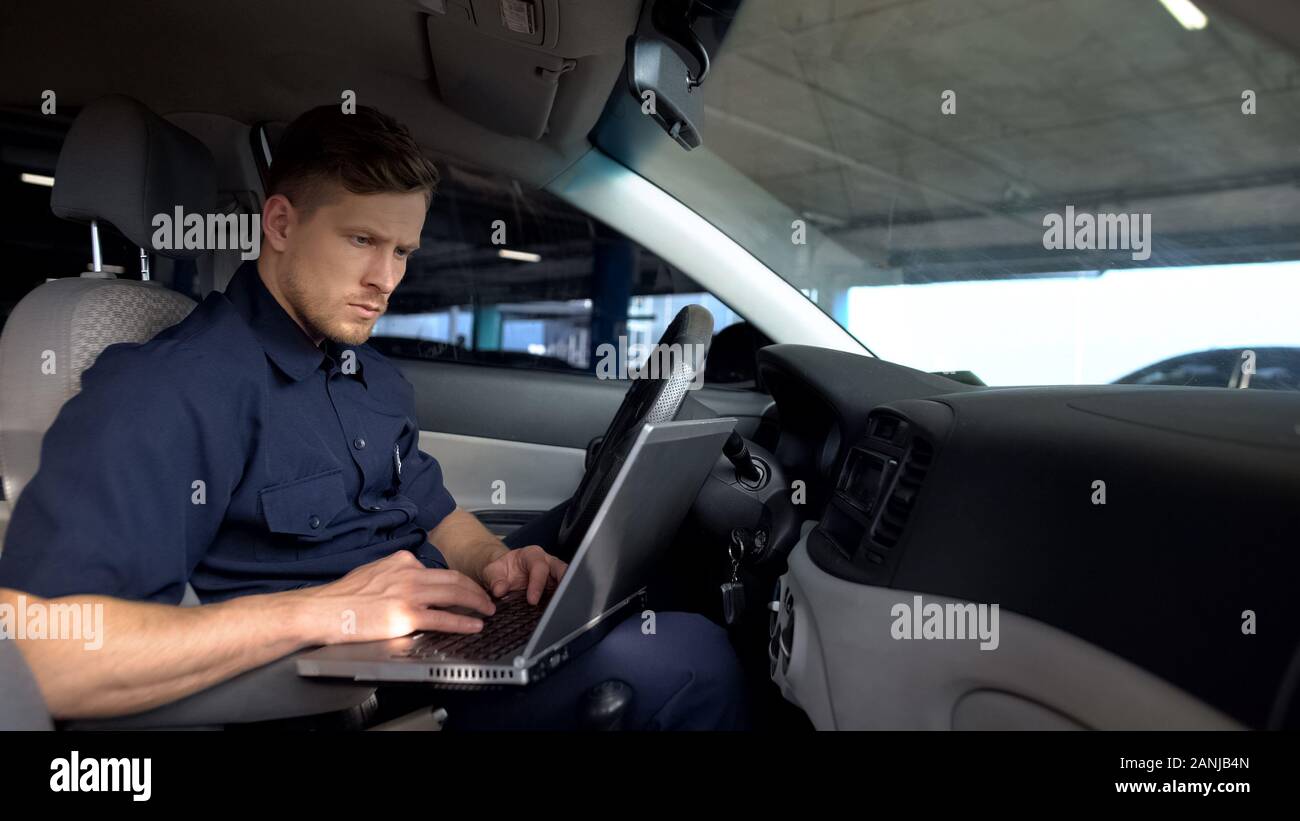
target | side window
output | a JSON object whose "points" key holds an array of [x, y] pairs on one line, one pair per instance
{"points": [[35, 243], [517, 278]]}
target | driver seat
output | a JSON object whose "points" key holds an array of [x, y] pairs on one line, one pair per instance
{"points": [[120, 164]]}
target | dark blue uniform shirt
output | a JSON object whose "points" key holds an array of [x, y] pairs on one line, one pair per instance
{"points": [[228, 452]]}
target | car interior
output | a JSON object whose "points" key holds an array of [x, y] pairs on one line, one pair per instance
{"points": [[861, 477]]}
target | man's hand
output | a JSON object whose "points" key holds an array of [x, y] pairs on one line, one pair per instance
{"points": [[530, 568], [391, 597], [472, 549]]}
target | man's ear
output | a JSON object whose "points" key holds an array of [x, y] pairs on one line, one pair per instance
{"points": [[279, 218]]}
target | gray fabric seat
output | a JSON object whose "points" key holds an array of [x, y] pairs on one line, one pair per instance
{"points": [[22, 707], [51, 338], [121, 164]]}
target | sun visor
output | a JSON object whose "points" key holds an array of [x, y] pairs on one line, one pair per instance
{"points": [[494, 62]]}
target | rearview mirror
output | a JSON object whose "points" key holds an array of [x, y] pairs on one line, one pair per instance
{"points": [[661, 83]]}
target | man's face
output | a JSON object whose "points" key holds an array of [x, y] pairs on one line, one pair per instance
{"points": [[344, 259]]}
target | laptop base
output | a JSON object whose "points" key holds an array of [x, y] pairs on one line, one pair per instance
{"points": [[452, 673]]}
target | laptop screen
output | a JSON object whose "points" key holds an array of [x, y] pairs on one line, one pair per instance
{"points": [[644, 507]]}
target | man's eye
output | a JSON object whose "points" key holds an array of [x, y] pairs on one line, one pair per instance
{"points": [[402, 253], [360, 240]]}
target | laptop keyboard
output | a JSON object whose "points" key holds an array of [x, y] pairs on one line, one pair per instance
{"points": [[505, 630]]}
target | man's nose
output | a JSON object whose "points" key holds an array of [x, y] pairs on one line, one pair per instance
{"points": [[384, 273]]}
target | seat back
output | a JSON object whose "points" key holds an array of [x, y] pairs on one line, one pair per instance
{"points": [[121, 164], [50, 339]]}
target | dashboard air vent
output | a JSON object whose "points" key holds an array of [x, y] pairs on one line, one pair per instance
{"points": [[898, 506]]}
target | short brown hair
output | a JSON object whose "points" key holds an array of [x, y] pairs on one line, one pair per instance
{"points": [[367, 152]]}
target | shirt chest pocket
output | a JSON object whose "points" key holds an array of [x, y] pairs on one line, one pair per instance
{"points": [[305, 507]]}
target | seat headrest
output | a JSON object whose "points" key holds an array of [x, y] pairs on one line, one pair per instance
{"points": [[122, 164]]}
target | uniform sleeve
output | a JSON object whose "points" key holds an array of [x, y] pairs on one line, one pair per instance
{"points": [[135, 477]]}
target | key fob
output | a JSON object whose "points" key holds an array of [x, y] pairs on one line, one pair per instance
{"points": [[733, 601]]}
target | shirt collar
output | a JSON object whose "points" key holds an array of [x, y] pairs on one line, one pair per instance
{"points": [[336, 353], [285, 343]]}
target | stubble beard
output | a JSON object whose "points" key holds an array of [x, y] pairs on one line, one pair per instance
{"points": [[316, 315]]}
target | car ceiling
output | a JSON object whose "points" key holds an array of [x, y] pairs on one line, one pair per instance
{"points": [[256, 61]]}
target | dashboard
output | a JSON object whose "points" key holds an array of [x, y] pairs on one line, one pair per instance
{"points": [[1140, 539]]}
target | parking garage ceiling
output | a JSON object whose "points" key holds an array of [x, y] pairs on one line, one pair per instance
{"points": [[834, 107]]}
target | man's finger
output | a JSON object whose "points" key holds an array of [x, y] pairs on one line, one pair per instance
{"points": [[450, 595], [434, 583], [441, 621], [538, 572], [496, 577], [558, 567], [439, 576], [496, 574]]}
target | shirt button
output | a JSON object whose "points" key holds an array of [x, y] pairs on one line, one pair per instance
{"points": [[376, 507], [313, 522], [358, 443]]}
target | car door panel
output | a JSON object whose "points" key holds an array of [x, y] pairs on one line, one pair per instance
{"points": [[500, 475], [527, 429]]}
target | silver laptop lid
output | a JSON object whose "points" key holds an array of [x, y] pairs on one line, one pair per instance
{"points": [[645, 505]]}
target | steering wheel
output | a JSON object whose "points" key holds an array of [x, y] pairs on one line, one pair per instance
{"points": [[656, 395]]}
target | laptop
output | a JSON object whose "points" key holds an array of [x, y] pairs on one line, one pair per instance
{"points": [[521, 643]]}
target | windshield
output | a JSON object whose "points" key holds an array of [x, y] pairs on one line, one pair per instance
{"points": [[1034, 192]]}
